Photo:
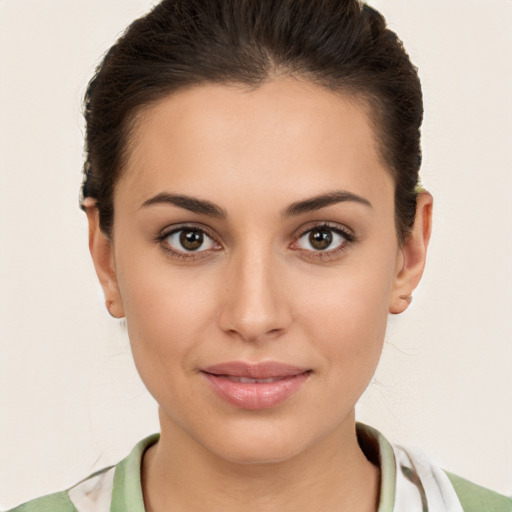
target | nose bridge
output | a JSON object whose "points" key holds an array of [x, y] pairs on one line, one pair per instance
{"points": [[254, 305]]}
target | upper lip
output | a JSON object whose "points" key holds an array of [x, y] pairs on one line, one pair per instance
{"points": [[263, 370]]}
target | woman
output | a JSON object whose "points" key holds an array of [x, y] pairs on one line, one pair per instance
{"points": [[251, 187]]}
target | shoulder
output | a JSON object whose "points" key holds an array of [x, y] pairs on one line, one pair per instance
{"points": [[449, 489], [94, 493], [57, 502], [411, 481], [113, 488], [475, 498]]}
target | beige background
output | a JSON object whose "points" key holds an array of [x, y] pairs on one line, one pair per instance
{"points": [[70, 400]]}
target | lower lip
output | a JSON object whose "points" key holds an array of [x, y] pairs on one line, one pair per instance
{"points": [[256, 395]]}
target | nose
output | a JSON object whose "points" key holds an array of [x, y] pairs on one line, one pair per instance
{"points": [[255, 304]]}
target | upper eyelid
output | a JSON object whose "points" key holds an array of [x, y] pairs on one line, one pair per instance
{"points": [[184, 254], [298, 233], [169, 230], [344, 230], [166, 232]]}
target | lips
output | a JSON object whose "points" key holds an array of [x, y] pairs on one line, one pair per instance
{"points": [[255, 386], [247, 380]]}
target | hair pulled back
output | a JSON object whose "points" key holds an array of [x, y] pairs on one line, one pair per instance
{"points": [[342, 45]]}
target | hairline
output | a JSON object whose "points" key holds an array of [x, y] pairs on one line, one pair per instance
{"points": [[368, 102]]}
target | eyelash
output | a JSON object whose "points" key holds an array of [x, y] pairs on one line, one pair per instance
{"points": [[183, 255], [348, 236], [328, 254]]}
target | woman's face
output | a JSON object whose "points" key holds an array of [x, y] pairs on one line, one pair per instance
{"points": [[256, 262]]}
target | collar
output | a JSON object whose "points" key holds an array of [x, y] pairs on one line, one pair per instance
{"points": [[127, 491], [405, 483]]}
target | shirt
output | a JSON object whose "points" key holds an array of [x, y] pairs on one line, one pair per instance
{"points": [[409, 483]]}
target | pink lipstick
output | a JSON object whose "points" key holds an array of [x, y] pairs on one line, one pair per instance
{"points": [[255, 386]]}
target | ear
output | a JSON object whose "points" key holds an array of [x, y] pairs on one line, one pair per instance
{"points": [[102, 253], [411, 261]]}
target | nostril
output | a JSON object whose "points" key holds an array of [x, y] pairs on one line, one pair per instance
{"points": [[253, 306]]}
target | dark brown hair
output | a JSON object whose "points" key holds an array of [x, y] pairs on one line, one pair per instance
{"points": [[343, 45]]}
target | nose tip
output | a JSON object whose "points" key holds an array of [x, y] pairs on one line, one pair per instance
{"points": [[252, 329], [255, 306]]}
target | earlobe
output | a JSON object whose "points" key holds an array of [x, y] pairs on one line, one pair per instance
{"points": [[413, 255], [101, 249]]}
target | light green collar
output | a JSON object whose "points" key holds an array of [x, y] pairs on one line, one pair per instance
{"points": [[376, 446], [127, 493]]}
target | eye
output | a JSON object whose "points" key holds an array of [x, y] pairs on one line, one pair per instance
{"points": [[323, 238], [188, 239]]}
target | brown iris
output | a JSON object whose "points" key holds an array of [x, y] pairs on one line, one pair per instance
{"points": [[191, 239], [320, 238]]}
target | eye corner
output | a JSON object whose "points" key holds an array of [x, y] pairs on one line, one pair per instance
{"points": [[332, 240], [199, 245]]}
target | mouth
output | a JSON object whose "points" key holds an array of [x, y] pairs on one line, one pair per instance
{"points": [[256, 386], [248, 380]]}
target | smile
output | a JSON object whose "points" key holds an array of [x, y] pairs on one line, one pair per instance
{"points": [[247, 380], [259, 386]]}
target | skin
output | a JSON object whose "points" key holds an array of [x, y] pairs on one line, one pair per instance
{"points": [[259, 290]]}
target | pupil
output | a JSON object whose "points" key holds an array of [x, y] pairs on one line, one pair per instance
{"points": [[191, 239], [320, 239]]}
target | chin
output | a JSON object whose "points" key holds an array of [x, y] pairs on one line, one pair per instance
{"points": [[258, 452], [270, 441]]}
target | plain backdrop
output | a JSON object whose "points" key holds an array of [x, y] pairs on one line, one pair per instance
{"points": [[70, 399]]}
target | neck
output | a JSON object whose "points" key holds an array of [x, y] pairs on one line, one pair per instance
{"points": [[334, 475]]}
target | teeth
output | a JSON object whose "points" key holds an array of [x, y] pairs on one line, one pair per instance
{"points": [[247, 380]]}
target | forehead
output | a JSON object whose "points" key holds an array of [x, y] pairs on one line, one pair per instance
{"points": [[284, 135]]}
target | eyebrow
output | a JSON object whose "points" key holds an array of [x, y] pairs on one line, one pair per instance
{"points": [[188, 203], [204, 207], [318, 202]]}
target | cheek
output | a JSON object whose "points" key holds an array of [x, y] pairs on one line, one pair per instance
{"points": [[352, 330], [345, 314], [354, 296], [168, 311]]}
